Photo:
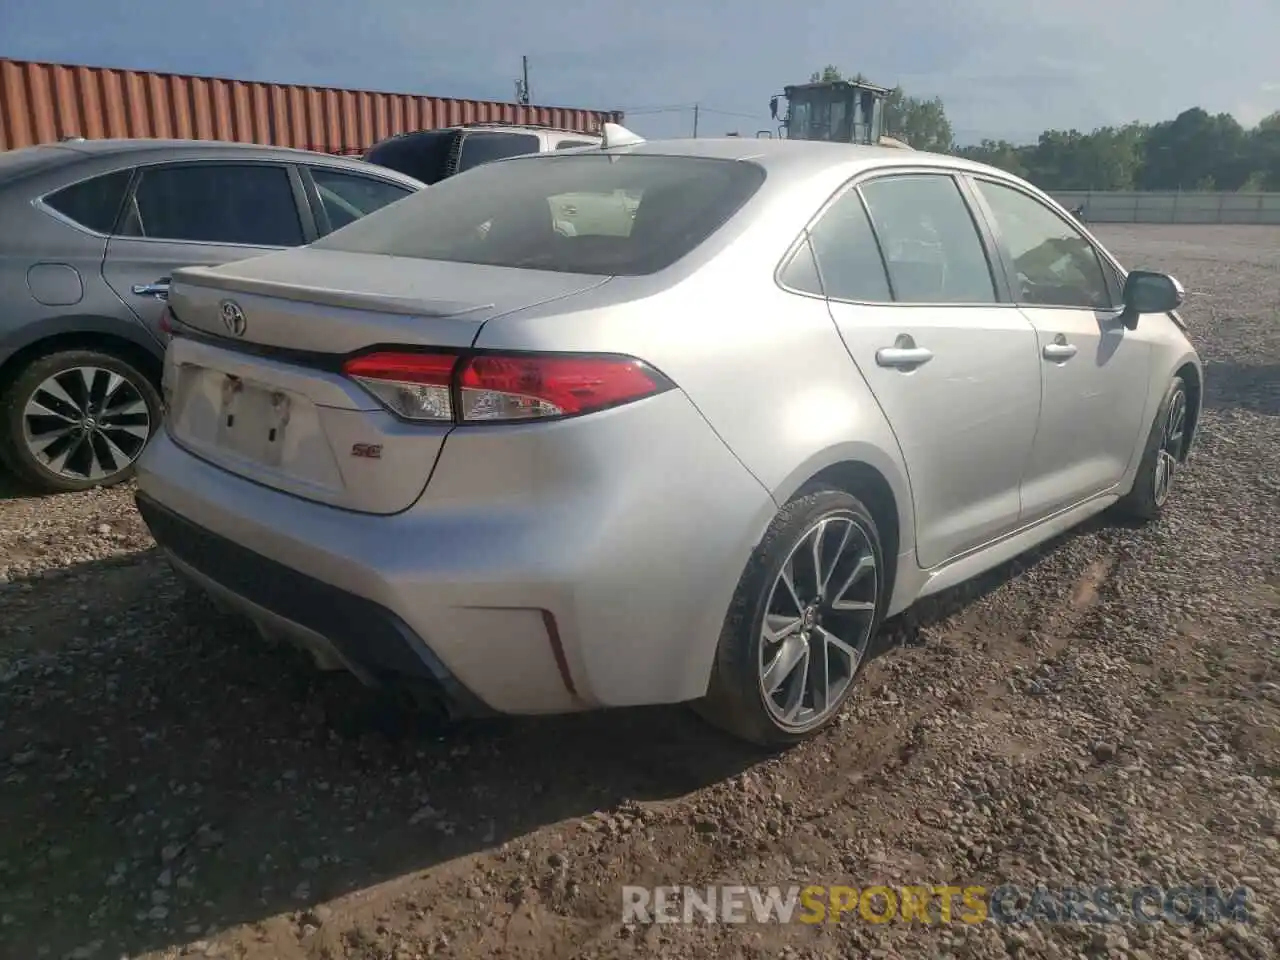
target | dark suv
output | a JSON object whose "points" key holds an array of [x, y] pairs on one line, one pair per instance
{"points": [[90, 231], [432, 155]]}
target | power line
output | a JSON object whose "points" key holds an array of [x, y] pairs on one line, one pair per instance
{"points": [[734, 113], [675, 108], [689, 108]]}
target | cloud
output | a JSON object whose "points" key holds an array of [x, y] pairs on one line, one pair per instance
{"points": [[1003, 67]]}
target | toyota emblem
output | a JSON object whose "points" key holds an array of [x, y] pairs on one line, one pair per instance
{"points": [[233, 318]]}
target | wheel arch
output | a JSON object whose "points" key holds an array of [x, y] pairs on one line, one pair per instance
{"points": [[127, 340], [1191, 375], [876, 480]]}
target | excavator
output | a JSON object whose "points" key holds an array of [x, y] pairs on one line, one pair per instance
{"points": [[841, 111]]}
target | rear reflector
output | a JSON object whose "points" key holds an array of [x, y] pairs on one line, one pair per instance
{"points": [[501, 388]]}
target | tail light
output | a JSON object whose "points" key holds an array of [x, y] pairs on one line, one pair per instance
{"points": [[416, 386], [501, 388], [166, 322]]}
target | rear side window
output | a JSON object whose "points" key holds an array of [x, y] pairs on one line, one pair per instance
{"points": [[346, 197], [801, 271], [484, 146], [93, 204], [569, 213], [930, 242], [241, 203], [847, 253], [570, 144]]}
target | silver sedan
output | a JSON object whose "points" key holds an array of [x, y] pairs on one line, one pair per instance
{"points": [[759, 397]]}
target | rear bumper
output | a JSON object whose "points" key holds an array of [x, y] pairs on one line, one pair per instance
{"points": [[360, 635], [579, 564]]}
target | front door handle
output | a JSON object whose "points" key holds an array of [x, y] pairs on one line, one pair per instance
{"points": [[159, 289], [903, 356], [1059, 351]]}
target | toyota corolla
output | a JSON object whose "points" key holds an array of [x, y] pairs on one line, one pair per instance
{"points": [[696, 446]]}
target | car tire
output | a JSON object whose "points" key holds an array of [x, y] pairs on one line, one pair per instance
{"points": [[101, 411], [752, 694], [1162, 455]]}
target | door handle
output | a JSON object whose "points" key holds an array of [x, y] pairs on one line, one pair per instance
{"points": [[903, 356], [159, 289], [1059, 351]]}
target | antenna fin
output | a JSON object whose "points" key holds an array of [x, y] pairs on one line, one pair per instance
{"points": [[616, 135]]}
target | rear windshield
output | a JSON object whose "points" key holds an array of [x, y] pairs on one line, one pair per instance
{"points": [[587, 213], [484, 146], [423, 156]]}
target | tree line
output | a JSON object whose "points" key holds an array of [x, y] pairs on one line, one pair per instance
{"points": [[1194, 151]]}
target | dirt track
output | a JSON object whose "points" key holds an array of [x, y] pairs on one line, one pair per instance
{"points": [[1103, 712]]}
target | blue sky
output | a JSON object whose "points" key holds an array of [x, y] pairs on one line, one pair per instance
{"points": [[1005, 68]]}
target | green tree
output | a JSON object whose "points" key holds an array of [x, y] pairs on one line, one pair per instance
{"points": [[921, 123], [1264, 153], [998, 153], [828, 74], [1106, 159], [1195, 150]]}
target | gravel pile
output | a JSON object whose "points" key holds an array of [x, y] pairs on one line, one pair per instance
{"points": [[1102, 712]]}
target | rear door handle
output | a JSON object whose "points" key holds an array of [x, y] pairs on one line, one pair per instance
{"points": [[903, 356], [1059, 351], [159, 289]]}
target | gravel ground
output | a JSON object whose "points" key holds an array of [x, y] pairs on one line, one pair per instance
{"points": [[1104, 711]]}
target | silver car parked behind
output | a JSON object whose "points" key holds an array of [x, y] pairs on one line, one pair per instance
{"points": [[695, 450], [90, 231]]}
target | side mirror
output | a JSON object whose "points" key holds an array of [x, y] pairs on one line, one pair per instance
{"points": [[1148, 292]]}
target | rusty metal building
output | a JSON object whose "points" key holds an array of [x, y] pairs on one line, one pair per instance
{"points": [[45, 102]]}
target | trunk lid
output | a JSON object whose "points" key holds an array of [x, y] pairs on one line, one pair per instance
{"points": [[260, 393], [331, 301]]}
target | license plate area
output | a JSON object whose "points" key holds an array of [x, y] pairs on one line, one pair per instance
{"points": [[253, 421]]}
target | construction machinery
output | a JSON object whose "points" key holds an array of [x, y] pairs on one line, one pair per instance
{"points": [[841, 111]]}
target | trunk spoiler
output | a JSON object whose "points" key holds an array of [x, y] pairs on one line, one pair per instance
{"points": [[347, 299]]}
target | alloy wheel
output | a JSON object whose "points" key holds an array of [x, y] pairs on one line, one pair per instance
{"points": [[1169, 453], [818, 621], [86, 423]]}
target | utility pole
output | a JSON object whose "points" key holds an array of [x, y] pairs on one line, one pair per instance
{"points": [[695, 121], [522, 85]]}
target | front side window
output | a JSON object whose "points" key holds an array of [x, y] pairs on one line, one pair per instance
{"points": [[240, 203], [569, 213], [847, 254], [347, 197], [95, 203], [484, 146], [1055, 265], [930, 242]]}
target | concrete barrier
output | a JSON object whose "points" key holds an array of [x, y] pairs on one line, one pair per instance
{"points": [[1172, 207]]}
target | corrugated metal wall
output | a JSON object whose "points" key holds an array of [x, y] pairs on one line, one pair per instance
{"points": [[1170, 207], [44, 102]]}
